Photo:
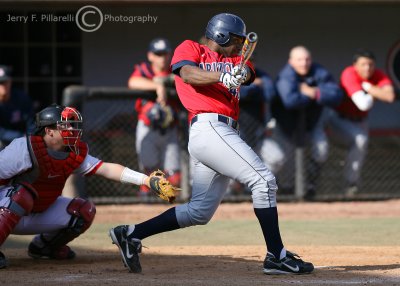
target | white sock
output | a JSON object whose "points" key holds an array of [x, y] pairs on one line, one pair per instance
{"points": [[131, 228], [283, 253]]}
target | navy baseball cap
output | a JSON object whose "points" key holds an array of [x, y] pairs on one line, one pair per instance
{"points": [[5, 73], [160, 46]]}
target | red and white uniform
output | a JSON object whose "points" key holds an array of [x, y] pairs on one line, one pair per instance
{"points": [[351, 83], [156, 150], [215, 146], [349, 125], [214, 98], [48, 180], [143, 106]]}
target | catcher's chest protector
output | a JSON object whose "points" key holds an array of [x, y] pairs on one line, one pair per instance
{"points": [[48, 175]]}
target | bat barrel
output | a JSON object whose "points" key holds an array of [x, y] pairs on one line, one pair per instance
{"points": [[252, 37]]}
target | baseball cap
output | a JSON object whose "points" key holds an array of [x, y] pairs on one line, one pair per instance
{"points": [[5, 73], [160, 46]]}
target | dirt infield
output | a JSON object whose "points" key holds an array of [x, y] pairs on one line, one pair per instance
{"points": [[99, 263]]}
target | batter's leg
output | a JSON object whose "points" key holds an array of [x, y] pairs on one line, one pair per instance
{"points": [[232, 157]]}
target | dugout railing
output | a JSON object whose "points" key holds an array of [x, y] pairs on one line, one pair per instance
{"points": [[109, 128]]}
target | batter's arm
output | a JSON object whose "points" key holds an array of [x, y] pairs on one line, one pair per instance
{"points": [[197, 76]]}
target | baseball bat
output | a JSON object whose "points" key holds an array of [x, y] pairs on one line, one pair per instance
{"points": [[248, 49]]}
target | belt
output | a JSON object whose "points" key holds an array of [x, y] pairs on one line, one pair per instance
{"points": [[352, 118], [215, 117]]}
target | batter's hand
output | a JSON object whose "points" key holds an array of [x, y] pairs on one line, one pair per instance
{"points": [[240, 71], [230, 80]]}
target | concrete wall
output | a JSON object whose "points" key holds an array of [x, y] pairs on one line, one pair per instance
{"points": [[332, 33]]}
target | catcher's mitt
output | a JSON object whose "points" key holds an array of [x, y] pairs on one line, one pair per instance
{"points": [[162, 187]]}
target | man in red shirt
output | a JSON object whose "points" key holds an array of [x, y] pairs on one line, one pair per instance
{"points": [[208, 80], [156, 132], [362, 84]]}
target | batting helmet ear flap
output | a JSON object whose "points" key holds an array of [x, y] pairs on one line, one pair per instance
{"points": [[221, 26]]}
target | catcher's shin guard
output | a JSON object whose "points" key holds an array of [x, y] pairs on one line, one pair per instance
{"points": [[82, 215], [17, 203]]}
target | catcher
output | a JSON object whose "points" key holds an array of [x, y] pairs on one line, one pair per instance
{"points": [[33, 171]]}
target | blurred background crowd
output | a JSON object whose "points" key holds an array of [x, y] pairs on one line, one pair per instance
{"points": [[298, 115]]}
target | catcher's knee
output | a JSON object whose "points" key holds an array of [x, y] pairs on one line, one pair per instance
{"points": [[264, 194], [82, 215], [17, 203], [19, 199]]}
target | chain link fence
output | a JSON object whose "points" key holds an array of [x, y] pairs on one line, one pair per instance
{"points": [[109, 129]]}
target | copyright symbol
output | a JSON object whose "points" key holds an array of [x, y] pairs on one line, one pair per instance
{"points": [[89, 18]]}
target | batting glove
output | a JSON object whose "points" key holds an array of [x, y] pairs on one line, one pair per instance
{"points": [[240, 71], [230, 80]]}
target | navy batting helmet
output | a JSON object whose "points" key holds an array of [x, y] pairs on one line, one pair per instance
{"points": [[222, 25]]}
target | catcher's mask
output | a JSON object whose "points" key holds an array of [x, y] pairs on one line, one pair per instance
{"points": [[67, 120]]}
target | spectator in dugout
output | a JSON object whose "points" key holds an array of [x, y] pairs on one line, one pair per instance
{"points": [[157, 142], [362, 84], [304, 88], [16, 110]]}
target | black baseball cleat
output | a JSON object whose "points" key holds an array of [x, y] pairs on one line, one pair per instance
{"points": [[3, 261], [64, 252], [129, 248], [291, 264]]}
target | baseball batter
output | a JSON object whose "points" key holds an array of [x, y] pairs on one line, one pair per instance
{"points": [[208, 82], [33, 171]]}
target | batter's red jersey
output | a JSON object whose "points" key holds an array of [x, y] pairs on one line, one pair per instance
{"points": [[213, 98], [351, 83], [143, 106]]}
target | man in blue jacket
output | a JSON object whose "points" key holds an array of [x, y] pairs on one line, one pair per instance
{"points": [[304, 88], [16, 110]]}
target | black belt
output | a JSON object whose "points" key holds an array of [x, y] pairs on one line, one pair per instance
{"points": [[352, 118], [225, 119]]}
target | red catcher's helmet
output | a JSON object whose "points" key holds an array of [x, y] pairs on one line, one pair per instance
{"points": [[67, 120]]}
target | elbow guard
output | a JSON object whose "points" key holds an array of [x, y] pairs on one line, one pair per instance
{"points": [[362, 100]]}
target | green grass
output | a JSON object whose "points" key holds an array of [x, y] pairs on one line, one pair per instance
{"points": [[334, 232]]}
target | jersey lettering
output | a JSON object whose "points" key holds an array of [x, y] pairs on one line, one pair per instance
{"points": [[213, 98], [216, 66]]}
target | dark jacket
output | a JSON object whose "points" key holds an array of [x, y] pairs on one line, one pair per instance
{"points": [[16, 117], [294, 110], [253, 98]]}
